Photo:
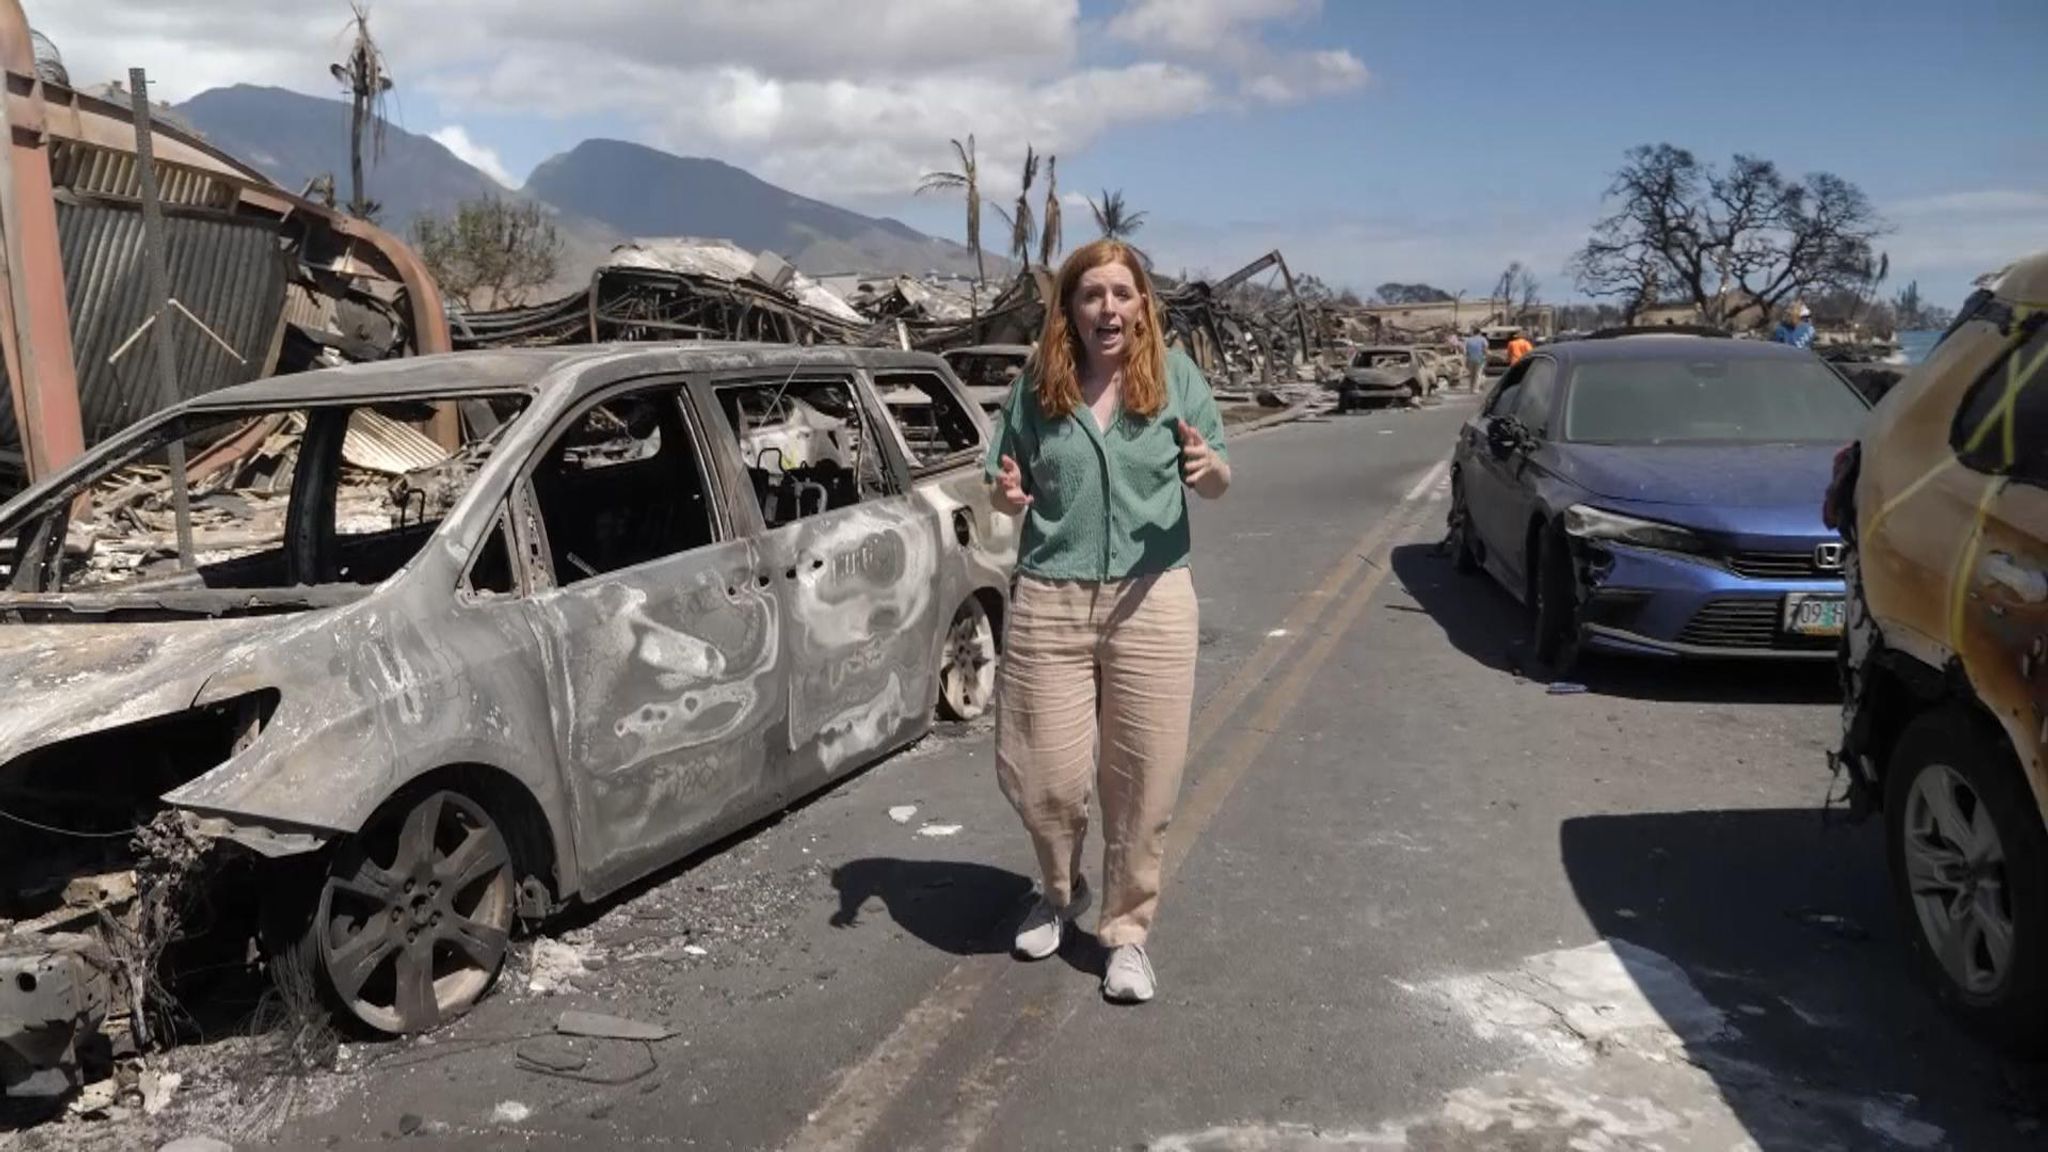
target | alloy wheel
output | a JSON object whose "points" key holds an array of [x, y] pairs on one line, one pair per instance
{"points": [[1955, 866], [967, 673], [416, 916]]}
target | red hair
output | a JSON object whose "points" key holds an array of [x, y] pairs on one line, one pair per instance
{"points": [[1058, 378]]}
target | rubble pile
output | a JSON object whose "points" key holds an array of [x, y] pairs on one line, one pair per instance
{"points": [[1262, 345], [239, 494]]}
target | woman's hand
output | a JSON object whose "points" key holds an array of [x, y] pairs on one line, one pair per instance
{"points": [[1009, 497], [1203, 470]]}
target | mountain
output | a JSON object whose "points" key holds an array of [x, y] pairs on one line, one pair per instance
{"points": [[293, 138], [644, 192], [602, 191]]}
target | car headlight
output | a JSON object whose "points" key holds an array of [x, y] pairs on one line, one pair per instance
{"points": [[1587, 523]]}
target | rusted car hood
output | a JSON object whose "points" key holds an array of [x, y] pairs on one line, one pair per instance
{"points": [[68, 679]]}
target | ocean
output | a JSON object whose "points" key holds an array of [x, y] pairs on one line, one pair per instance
{"points": [[1916, 345]]}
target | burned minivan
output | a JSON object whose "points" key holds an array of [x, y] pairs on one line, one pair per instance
{"points": [[356, 698]]}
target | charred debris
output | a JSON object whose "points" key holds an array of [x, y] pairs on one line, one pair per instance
{"points": [[1248, 340]]}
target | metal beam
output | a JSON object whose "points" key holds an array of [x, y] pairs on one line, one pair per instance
{"points": [[35, 330]]}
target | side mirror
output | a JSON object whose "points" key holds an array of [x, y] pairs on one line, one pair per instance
{"points": [[1506, 435]]}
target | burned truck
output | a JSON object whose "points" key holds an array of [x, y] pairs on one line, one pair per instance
{"points": [[361, 707]]}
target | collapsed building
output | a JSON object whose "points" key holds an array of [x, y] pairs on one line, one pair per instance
{"points": [[678, 289], [699, 289], [261, 282]]}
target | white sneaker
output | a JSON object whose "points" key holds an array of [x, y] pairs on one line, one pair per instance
{"points": [[1039, 935], [1129, 979]]}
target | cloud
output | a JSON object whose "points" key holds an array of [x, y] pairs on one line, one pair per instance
{"points": [[807, 93], [1202, 27], [1950, 238], [1306, 76], [456, 139], [1230, 34], [833, 100]]}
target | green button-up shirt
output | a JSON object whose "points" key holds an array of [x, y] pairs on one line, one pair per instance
{"points": [[1105, 504]]}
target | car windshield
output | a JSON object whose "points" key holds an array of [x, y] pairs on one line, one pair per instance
{"points": [[1743, 400], [1381, 359]]}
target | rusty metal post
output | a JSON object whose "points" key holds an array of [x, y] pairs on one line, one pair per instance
{"points": [[164, 340], [42, 380]]}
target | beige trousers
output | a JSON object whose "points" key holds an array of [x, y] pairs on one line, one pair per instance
{"points": [[1091, 666]]}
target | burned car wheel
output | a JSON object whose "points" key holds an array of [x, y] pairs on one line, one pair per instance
{"points": [[1969, 868], [416, 914], [967, 671]]}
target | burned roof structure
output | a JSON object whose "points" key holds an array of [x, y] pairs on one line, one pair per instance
{"points": [[678, 289]]}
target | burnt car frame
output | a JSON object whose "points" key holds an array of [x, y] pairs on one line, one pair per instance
{"points": [[1381, 374], [656, 607]]}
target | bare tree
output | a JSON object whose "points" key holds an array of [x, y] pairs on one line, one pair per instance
{"points": [[492, 253], [1049, 235], [1517, 288], [968, 181], [1732, 241], [364, 78], [1114, 217]]}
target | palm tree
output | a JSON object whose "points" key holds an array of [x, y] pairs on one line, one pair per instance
{"points": [[968, 180], [1049, 235], [1114, 217], [1023, 230]]}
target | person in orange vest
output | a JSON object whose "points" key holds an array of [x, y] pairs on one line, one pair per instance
{"points": [[1518, 347]]}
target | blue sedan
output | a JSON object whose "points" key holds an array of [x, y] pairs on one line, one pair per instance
{"points": [[1660, 495]]}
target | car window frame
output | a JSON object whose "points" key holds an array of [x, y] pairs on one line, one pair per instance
{"points": [[741, 503], [2031, 332], [1505, 390], [501, 524], [529, 526], [950, 384], [1556, 381]]}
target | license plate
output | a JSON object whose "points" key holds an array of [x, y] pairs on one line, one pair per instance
{"points": [[1813, 615]]}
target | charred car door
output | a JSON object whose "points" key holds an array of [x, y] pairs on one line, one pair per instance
{"points": [[2000, 613], [661, 634], [856, 564]]}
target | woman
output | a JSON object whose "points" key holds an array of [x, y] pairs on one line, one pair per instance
{"points": [[1097, 441]]}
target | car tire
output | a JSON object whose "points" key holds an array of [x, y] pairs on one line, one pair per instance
{"points": [[1553, 625], [1952, 784], [1464, 558], [433, 874], [967, 665]]}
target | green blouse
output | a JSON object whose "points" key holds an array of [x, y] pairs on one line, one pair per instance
{"points": [[1106, 505]]}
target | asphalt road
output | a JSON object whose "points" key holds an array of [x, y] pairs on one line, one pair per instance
{"points": [[1416, 900]]}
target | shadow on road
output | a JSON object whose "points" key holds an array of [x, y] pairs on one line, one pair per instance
{"points": [[1481, 620], [963, 908], [1783, 923]]}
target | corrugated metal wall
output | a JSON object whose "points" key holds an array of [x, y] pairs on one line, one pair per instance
{"points": [[230, 274]]}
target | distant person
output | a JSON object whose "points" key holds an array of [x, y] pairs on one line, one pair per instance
{"points": [[1099, 444], [1475, 359], [1518, 347], [1796, 328]]}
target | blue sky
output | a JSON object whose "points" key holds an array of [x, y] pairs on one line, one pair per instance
{"points": [[1370, 140]]}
